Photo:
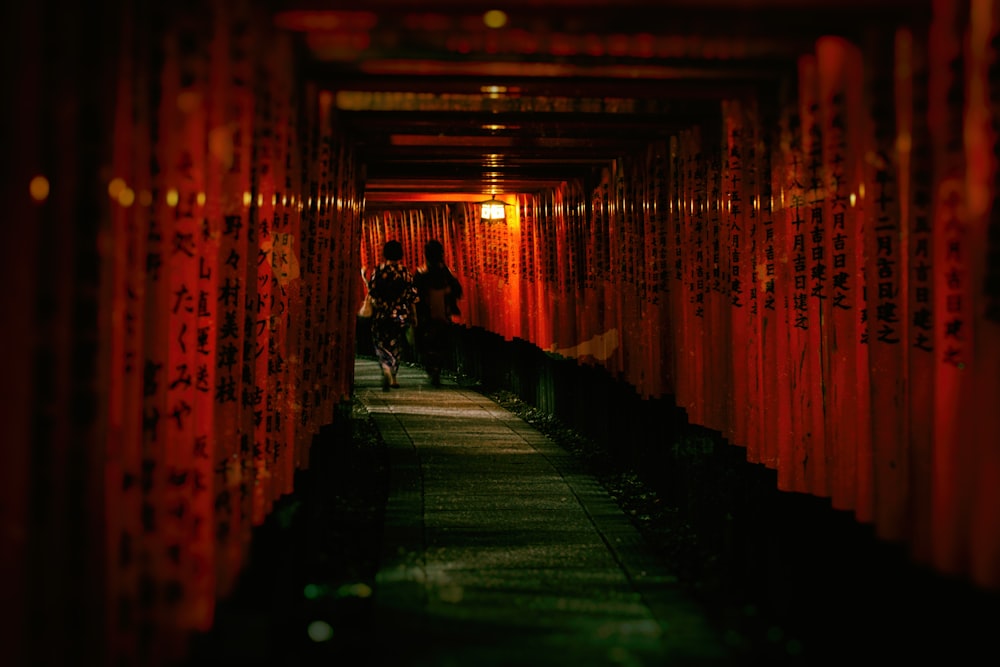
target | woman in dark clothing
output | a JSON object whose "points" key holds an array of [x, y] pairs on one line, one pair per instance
{"points": [[438, 291], [393, 298]]}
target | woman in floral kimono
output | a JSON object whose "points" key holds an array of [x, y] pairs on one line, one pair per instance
{"points": [[393, 310]]}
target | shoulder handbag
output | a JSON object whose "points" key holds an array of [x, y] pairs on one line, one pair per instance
{"points": [[366, 307]]}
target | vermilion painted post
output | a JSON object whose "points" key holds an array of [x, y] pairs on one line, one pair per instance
{"points": [[502, 240], [455, 251], [151, 619], [770, 319], [536, 290], [523, 237], [233, 474], [257, 316], [553, 268], [553, 264], [886, 262], [859, 109], [613, 225], [549, 267], [569, 230], [214, 155], [645, 357], [314, 203], [592, 317], [350, 207], [698, 253], [634, 328], [650, 256], [653, 254], [701, 319], [812, 288], [193, 382], [735, 249], [696, 248], [676, 267], [273, 315], [839, 267], [516, 275], [486, 258], [477, 264], [948, 269], [748, 286], [981, 390], [916, 194], [789, 202], [129, 215], [688, 395], [300, 268], [716, 319]]}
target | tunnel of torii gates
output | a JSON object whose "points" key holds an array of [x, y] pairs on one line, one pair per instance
{"points": [[816, 278]]}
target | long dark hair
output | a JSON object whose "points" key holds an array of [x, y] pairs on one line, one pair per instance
{"points": [[434, 252]]}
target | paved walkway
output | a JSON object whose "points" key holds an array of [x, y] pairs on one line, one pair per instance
{"points": [[499, 550]]}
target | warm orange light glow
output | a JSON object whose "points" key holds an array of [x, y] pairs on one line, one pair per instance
{"points": [[494, 19], [126, 197], [493, 91], [220, 144], [172, 197], [39, 188], [201, 199], [115, 186], [247, 199], [423, 197], [493, 210]]}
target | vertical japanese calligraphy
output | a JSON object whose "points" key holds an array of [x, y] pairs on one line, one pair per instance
{"points": [[736, 179], [812, 271], [205, 244], [794, 386], [840, 264], [948, 275], [804, 276], [885, 472]]}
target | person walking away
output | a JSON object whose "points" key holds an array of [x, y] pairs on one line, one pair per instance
{"points": [[393, 297], [438, 292]]}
